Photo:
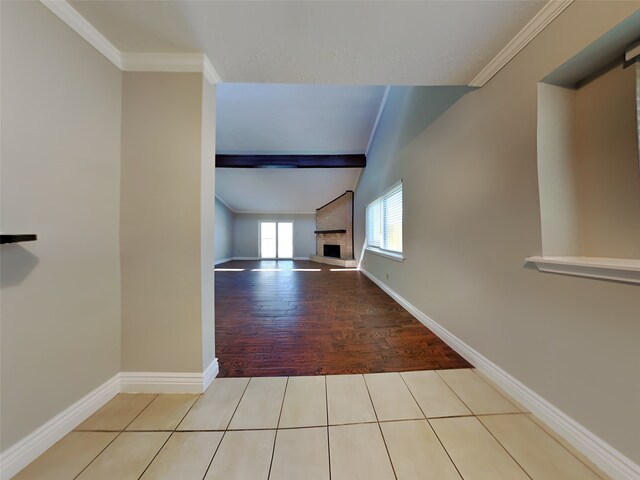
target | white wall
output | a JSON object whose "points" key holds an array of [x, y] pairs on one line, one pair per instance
{"points": [[61, 311], [224, 231], [472, 215], [247, 233]]}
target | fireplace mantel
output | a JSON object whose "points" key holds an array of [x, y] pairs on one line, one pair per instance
{"points": [[320, 232]]}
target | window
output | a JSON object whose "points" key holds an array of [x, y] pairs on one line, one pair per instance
{"points": [[384, 223]]}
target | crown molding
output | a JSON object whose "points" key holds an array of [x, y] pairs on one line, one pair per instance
{"points": [[82, 27], [209, 72], [544, 17], [132, 62], [170, 62]]}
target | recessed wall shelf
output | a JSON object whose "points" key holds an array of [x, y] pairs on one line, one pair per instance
{"points": [[619, 269], [18, 237], [330, 231]]}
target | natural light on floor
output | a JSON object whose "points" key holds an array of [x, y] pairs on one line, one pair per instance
{"points": [[266, 269], [229, 269]]}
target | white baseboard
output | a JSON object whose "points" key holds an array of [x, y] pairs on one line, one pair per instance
{"points": [[168, 382], [22, 453], [223, 260], [593, 447], [209, 374], [301, 258]]}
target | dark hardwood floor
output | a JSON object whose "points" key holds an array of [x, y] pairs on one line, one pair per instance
{"points": [[289, 322]]}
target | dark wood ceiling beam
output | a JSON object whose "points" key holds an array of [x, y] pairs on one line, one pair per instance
{"points": [[291, 161]]}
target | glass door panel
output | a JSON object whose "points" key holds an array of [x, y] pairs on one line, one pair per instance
{"points": [[268, 236], [285, 240]]}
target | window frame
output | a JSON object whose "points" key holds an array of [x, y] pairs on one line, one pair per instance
{"points": [[385, 252]]}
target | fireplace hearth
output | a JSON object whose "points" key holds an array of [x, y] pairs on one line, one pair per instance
{"points": [[331, 250]]}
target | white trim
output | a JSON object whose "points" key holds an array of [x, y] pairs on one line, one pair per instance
{"points": [[168, 382], [209, 374], [301, 258], [383, 102], [223, 260], [618, 269], [544, 17], [170, 62], [397, 256], [593, 447], [225, 204], [132, 62], [22, 453], [209, 72], [82, 27], [246, 258]]}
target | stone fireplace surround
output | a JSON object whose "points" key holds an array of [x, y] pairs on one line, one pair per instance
{"points": [[334, 226]]}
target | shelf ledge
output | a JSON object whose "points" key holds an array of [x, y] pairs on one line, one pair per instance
{"points": [[17, 238], [618, 269]]}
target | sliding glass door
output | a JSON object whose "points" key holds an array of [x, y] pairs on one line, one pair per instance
{"points": [[276, 240]]}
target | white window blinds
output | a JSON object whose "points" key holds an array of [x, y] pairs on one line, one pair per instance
{"points": [[384, 221]]}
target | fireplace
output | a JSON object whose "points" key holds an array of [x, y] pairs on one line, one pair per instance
{"points": [[331, 250]]}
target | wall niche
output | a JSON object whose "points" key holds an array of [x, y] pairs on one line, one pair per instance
{"points": [[588, 158]]}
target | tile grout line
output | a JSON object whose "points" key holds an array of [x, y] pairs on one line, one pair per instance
{"points": [[326, 407], [214, 455], [119, 432], [275, 437], [97, 455], [477, 419], [170, 435], [526, 414], [432, 429], [504, 448], [384, 442], [455, 393], [237, 405], [157, 453], [473, 370], [563, 446]]}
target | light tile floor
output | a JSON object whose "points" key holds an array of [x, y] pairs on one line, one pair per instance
{"points": [[450, 424]]}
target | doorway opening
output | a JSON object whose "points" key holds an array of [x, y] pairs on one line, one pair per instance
{"points": [[276, 240]]}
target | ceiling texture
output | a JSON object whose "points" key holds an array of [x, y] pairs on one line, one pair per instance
{"points": [[309, 77], [338, 42]]}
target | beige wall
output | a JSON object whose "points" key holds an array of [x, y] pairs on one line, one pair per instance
{"points": [[558, 171], [60, 313], [472, 215], [607, 152], [167, 298]]}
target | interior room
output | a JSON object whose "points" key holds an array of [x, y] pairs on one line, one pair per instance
{"points": [[321, 240]]}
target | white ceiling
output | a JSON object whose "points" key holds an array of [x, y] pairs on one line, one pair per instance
{"points": [[389, 42], [282, 190], [295, 119], [339, 42]]}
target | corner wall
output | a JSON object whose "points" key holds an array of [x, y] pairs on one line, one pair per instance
{"points": [[61, 311], [167, 213], [471, 217], [224, 232]]}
